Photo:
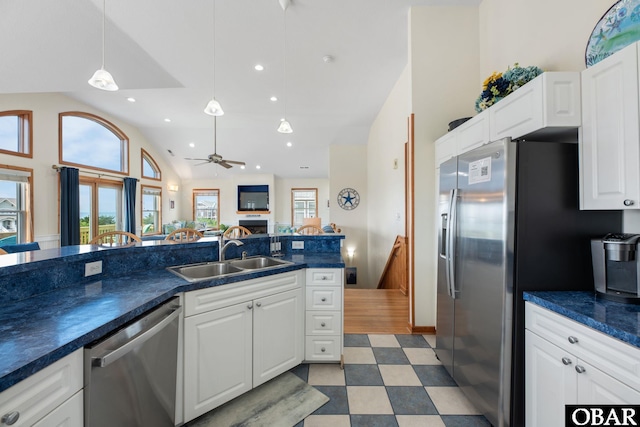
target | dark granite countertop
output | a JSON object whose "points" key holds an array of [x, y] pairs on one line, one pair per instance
{"points": [[40, 330], [618, 320]]}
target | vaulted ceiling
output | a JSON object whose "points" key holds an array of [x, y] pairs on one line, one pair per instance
{"points": [[161, 53]]}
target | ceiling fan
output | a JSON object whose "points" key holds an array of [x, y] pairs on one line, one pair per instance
{"points": [[215, 157]]}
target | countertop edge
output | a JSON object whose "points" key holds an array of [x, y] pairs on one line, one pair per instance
{"points": [[33, 366], [608, 329]]}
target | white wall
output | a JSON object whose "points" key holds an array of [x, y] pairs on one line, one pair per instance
{"points": [[443, 63], [348, 168], [46, 108], [387, 139]]}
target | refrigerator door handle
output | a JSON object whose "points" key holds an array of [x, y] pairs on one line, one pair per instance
{"points": [[450, 247]]}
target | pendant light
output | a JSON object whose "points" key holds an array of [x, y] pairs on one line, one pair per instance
{"points": [[285, 126], [214, 108], [102, 79]]}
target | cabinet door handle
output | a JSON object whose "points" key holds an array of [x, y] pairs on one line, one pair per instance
{"points": [[323, 324], [249, 306], [628, 202], [323, 299], [258, 304], [566, 361], [323, 349], [324, 278], [572, 339], [10, 418], [580, 369]]}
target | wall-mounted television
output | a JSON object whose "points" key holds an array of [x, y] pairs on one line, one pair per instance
{"points": [[253, 198]]}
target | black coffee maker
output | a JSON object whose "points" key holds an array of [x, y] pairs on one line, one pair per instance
{"points": [[616, 267]]}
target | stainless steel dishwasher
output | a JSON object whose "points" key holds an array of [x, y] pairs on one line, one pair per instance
{"points": [[130, 375]]}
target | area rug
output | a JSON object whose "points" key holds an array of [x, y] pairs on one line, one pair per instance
{"points": [[282, 402]]}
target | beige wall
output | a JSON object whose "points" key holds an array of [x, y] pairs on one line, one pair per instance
{"points": [[229, 197], [348, 168], [452, 50], [46, 108], [548, 33], [385, 175], [444, 58], [283, 198]]}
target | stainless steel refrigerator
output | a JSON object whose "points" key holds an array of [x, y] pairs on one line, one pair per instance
{"points": [[509, 222]]}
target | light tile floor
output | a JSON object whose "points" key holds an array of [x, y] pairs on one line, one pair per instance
{"points": [[388, 380]]}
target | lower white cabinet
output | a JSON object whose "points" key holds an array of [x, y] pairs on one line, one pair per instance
{"points": [[51, 397], [251, 333], [566, 364], [324, 315]]}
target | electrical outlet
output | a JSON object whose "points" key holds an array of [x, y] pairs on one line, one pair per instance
{"points": [[92, 268], [297, 244]]}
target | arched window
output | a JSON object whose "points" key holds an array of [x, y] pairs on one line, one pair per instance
{"points": [[93, 142], [15, 133], [150, 168]]}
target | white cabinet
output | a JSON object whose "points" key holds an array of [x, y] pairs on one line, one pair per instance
{"points": [[238, 336], [47, 398], [547, 105], [324, 315], [568, 363], [610, 136], [469, 135]]}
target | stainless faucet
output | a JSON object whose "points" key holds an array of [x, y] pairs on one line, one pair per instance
{"points": [[223, 249]]}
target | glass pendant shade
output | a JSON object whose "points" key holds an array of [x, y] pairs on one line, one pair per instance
{"points": [[102, 79], [214, 108], [285, 127]]}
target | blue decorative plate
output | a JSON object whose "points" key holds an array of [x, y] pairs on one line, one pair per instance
{"points": [[617, 28]]}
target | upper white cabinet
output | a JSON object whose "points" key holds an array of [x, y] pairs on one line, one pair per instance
{"points": [[610, 136], [547, 106]]}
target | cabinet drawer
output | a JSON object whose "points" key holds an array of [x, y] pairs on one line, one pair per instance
{"points": [[610, 355], [322, 348], [41, 393], [208, 299], [323, 323], [324, 276], [324, 298]]}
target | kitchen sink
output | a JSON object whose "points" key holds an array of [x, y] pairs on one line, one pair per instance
{"points": [[212, 270], [257, 262]]}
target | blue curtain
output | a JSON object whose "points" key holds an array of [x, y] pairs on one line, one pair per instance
{"points": [[69, 206], [130, 205]]}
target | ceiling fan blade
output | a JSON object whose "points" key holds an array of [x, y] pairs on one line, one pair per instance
{"points": [[203, 163], [204, 160], [224, 164], [235, 162]]}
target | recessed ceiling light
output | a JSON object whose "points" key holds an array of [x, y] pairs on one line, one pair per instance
{"points": [[274, 98], [167, 120], [289, 144], [258, 67], [242, 167], [257, 166], [131, 99], [191, 144]]}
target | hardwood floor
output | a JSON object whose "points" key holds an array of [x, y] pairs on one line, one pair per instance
{"points": [[375, 311]]}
